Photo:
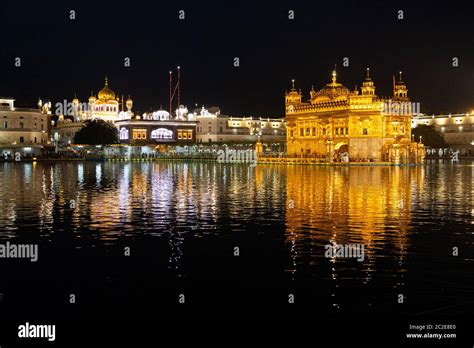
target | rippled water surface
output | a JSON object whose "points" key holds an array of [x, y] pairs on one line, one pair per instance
{"points": [[181, 223]]}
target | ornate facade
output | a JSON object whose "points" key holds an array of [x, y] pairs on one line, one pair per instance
{"points": [[23, 130], [337, 124], [214, 127], [106, 106], [456, 129]]}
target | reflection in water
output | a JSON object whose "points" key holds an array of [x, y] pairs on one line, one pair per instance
{"points": [[346, 205], [398, 213]]}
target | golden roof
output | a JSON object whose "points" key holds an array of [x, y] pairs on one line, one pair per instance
{"points": [[106, 93], [332, 91]]}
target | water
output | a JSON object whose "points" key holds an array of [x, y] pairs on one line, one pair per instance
{"points": [[181, 223]]}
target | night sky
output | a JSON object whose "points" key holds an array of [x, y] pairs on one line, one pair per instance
{"points": [[61, 57]]}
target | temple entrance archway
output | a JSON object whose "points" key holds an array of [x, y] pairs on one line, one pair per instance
{"points": [[341, 152]]}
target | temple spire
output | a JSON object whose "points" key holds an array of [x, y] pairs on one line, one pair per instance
{"points": [[334, 75], [106, 80]]}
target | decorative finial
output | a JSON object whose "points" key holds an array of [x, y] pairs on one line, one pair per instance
{"points": [[368, 73], [400, 76], [106, 80], [293, 84], [334, 74]]}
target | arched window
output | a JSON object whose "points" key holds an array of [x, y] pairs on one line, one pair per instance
{"points": [[123, 133], [162, 133]]}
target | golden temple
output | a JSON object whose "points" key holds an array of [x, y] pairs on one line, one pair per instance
{"points": [[339, 125]]}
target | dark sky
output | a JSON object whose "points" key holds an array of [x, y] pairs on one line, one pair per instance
{"points": [[61, 57]]}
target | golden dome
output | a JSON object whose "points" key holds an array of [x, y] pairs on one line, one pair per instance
{"points": [[331, 92], [106, 93]]}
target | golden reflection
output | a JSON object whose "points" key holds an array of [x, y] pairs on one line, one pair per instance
{"points": [[342, 205]]}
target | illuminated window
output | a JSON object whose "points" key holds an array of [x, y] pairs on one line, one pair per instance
{"points": [[139, 134], [301, 132], [123, 133], [190, 134], [161, 133], [314, 131], [307, 132], [365, 131]]}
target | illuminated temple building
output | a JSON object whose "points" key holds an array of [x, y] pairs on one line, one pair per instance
{"points": [[106, 106], [337, 124]]}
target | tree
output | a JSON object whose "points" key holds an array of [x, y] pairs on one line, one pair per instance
{"points": [[97, 132], [430, 137]]}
